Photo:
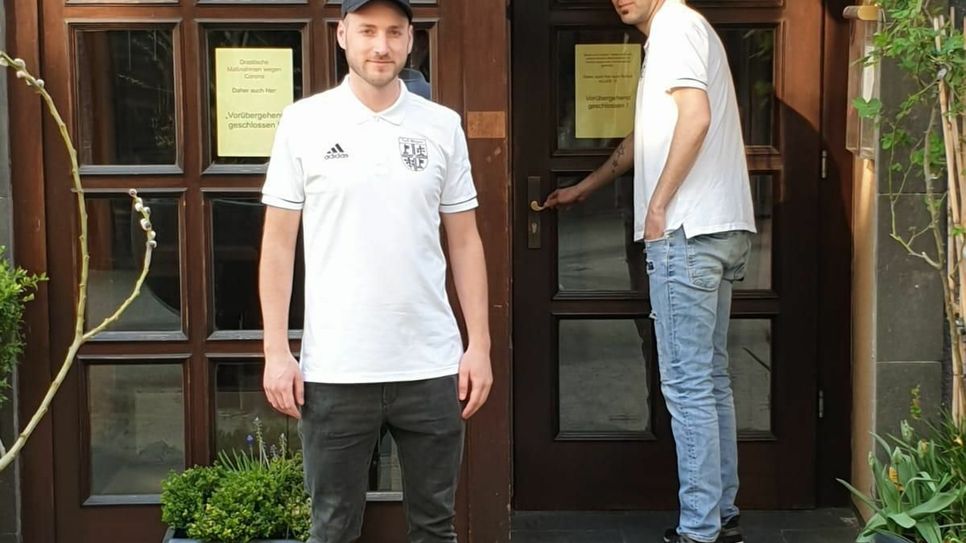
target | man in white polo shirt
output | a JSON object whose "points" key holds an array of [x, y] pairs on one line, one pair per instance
{"points": [[371, 171], [693, 210]]}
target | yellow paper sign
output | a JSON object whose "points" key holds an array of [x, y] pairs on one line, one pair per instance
{"points": [[606, 86], [252, 88]]}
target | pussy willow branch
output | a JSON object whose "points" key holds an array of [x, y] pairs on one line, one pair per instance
{"points": [[19, 67]]}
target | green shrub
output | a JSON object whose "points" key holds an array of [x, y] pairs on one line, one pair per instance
{"points": [[16, 289], [255, 504], [244, 495], [184, 495]]}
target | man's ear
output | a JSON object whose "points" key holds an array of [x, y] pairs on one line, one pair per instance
{"points": [[340, 33], [412, 39]]}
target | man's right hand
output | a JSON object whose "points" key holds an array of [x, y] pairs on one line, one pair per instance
{"points": [[283, 384], [566, 197]]}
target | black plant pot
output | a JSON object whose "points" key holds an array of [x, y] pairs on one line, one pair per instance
{"points": [[176, 537]]}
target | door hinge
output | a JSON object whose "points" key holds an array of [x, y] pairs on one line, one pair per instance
{"points": [[824, 164], [821, 404]]}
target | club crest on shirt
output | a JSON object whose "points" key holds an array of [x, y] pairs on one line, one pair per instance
{"points": [[414, 153]]}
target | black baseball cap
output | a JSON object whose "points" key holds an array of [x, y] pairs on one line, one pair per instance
{"points": [[348, 6]]}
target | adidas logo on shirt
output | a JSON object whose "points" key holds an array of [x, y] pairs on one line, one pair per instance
{"points": [[336, 152]]}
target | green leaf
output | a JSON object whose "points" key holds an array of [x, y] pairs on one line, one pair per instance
{"points": [[860, 495], [929, 530], [937, 503], [867, 109], [887, 141], [902, 519]]}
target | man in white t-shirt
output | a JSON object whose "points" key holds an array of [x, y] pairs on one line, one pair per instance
{"points": [[370, 171], [693, 210]]}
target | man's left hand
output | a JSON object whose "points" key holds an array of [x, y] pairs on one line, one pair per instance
{"points": [[654, 224], [476, 379]]}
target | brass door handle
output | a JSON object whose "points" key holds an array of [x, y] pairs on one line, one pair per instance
{"points": [[533, 215]]}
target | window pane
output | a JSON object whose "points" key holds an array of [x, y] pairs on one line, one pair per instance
{"points": [[137, 426], [385, 473], [595, 247], [126, 97], [117, 253], [751, 55], [749, 347], [604, 368], [758, 271], [250, 38], [417, 74], [239, 400], [236, 229], [568, 138]]}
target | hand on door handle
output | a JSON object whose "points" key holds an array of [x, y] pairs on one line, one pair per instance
{"points": [[535, 206]]}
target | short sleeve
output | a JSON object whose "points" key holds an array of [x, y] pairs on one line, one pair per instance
{"points": [[682, 51], [284, 183], [459, 193]]}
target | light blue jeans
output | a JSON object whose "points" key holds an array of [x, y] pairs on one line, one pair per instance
{"points": [[691, 284]]}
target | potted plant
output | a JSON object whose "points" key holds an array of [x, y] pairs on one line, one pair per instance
{"points": [[919, 492], [251, 496]]}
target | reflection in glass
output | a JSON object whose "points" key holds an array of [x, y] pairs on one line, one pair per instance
{"points": [[385, 471], [749, 347], [136, 425], [239, 400], [566, 91], [604, 368], [751, 55], [247, 38], [117, 254], [758, 270], [236, 229], [417, 74], [595, 247], [126, 98]]}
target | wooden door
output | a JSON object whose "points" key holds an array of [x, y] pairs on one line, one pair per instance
{"points": [[590, 427]]}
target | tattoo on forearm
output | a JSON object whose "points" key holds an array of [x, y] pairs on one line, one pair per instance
{"points": [[615, 163]]}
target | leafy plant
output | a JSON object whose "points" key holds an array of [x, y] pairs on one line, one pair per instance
{"points": [[184, 496], [909, 500], [949, 437], [920, 492], [267, 502], [16, 289], [244, 495]]}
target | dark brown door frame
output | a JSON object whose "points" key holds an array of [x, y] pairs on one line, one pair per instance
{"points": [[835, 266], [485, 489], [27, 123]]}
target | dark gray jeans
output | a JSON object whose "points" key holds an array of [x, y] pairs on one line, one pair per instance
{"points": [[340, 426]]}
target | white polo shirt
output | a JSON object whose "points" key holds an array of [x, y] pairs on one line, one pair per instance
{"points": [[371, 187], [683, 50]]}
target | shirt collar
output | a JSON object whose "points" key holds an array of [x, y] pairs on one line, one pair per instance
{"points": [[360, 113]]}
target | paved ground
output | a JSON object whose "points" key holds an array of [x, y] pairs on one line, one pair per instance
{"points": [[819, 526]]}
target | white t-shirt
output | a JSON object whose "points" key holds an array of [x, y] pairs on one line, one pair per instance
{"points": [[371, 187], [683, 50]]}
